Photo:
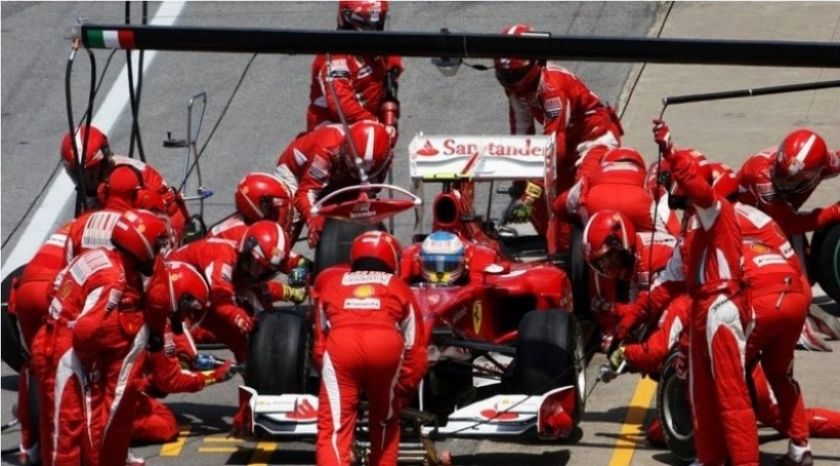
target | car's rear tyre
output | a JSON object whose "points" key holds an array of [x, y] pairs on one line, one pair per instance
{"points": [[11, 345], [824, 261], [549, 354], [674, 411], [579, 275], [278, 360], [334, 245]]}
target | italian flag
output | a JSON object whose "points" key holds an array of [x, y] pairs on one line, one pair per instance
{"points": [[119, 39]]}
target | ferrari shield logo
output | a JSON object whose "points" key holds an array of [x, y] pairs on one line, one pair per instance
{"points": [[476, 316]]}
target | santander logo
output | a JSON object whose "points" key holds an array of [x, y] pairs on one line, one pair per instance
{"points": [[428, 149]]}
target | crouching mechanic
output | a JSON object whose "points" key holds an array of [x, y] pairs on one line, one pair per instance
{"points": [[99, 161], [174, 291], [239, 276], [369, 336]]}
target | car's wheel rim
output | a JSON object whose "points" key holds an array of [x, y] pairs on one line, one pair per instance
{"points": [[677, 416], [579, 367]]}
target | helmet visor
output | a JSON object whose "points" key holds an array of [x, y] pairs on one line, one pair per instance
{"points": [[442, 269], [511, 77], [801, 182]]}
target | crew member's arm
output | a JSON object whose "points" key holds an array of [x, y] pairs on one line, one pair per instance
{"points": [[413, 368], [338, 74]]}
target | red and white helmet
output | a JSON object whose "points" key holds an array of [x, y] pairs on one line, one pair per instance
{"points": [[609, 241], [375, 250], [362, 15], [623, 154], [800, 160], [142, 234], [97, 147], [372, 145], [263, 249], [517, 74], [262, 196], [95, 159]]}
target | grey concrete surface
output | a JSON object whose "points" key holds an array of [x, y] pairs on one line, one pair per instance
{"points": [[269, 109]]}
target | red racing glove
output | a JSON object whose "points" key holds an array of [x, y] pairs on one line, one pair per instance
{"points": [[220, 374], [629, 315], [662, 136], [315, 225]]}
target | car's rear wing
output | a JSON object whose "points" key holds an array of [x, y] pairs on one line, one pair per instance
{"points": [[480, 158]]}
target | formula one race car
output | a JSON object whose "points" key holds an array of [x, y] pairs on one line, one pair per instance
{"points": [[506, 352]]}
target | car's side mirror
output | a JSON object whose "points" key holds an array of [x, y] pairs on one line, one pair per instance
{"points": [[497, 269]]}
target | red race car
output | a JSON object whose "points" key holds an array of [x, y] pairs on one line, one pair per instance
{"points": [[505, 346]]}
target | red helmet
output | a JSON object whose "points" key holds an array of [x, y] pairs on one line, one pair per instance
{"points": [[799, 161], [362, 15], [723, 179], [142, 234], [188, 289], [95, 165], [97, 147], [262, 196], [608, 242], [263, 249], [624, 154], [373, 146], [517, 74], [375, 250]]}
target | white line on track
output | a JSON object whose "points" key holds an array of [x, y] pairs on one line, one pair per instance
{"points": [[61, 189]]}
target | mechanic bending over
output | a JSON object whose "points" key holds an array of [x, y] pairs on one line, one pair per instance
{"points": [[369, 336]]}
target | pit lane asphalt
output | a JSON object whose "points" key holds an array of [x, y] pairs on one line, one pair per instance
{"points": [[266, 113]]}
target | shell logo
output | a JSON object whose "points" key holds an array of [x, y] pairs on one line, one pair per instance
{"points": [[174, 276], [760, 248], [65, 290], [364, 291]]}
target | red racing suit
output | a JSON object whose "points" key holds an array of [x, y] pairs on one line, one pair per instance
{"points": [[173, 202], [359, 83], [93, 284], [600, 191], [368, 336], [231, 297], [755, 188], [778, 307], [724, 421], [579, 120], [29, 302], [311, 167]]}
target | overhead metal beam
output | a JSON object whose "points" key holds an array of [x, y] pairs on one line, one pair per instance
{"points": [[465, 45]]}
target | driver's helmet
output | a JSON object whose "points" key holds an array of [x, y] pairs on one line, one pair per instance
{"points": [[442, 258], [799, 161], [609, 242], [362, 15]]}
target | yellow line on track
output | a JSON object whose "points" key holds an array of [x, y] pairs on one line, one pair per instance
{"points": [[174, 448], [218, 450], [263, 453], [222, 439], [629, 437]]}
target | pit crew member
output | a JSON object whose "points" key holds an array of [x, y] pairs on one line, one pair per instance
{"points": [[369, 337], [778, 180], [98, 161], [361, 87], [320, 162], [547, 93]]}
